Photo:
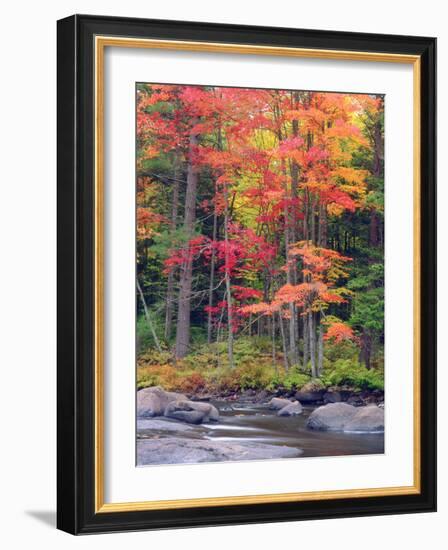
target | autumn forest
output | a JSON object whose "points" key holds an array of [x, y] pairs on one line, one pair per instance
{"points": [[260, 239]]}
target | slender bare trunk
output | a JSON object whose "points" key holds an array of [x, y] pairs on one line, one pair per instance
{"points": [[294, 172], [212, 280], [378, 144], [169, 304], [186, 271], [373, 229], [366, 349], [312, 333], [285, 347], [305, 341], [313, 220], [306, 236], [148, 317], [320, 348], [274, 358], [171, 276], [227, 279], [289, 271], [322, 241]]}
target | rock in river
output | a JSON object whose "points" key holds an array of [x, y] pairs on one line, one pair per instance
{"points": [[153, 401], [209, 410], [293, 409], [331, 417], [162, 425], [278, 403], [344, 417], [173, 450], [191, 411], [366, 419]]}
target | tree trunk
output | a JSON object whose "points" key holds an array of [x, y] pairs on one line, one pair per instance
{"points": [[322, 242], [305, 341], [366, 349], [285, 347], [169, 304], [148, 317], [378, 161], [213, 258], [294, 172], [171, 275], [312, 333], [186, 271], [274, 358], [212, 279], [378, 151], [306, 199], [373, 229], [289, 271], [320, 348], [227, 279]]}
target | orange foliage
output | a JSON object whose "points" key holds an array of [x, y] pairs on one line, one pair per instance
{"points": [[339, 332]]}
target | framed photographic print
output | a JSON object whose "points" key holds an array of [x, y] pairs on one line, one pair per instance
{"points": [[246, 267]]}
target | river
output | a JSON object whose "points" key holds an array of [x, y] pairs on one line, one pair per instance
{"points": [[254, 423]]}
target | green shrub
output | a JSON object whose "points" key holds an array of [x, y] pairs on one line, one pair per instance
{"points": [[165, 376], [346, 372], [341, 350], [207, 369], [154, 357], [245, 350], [204, 357], [145, 340], [294, 379], [250, 375], [314, 384]]}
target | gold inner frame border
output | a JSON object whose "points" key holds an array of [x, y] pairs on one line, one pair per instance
{"points": [[100, 43]]}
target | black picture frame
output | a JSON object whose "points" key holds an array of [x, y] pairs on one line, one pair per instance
{"points": [[76, 261]]}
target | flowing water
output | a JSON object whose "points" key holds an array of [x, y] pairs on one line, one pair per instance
{"points": [[253, 422]]}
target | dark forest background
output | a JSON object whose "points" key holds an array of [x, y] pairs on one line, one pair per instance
{"points": [[260, 238]]}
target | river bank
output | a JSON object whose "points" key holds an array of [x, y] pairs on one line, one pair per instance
{"points": [[248, 429], [307, 395]]}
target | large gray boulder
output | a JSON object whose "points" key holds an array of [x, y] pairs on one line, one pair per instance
{"points": [[347, 418], [333, 416], [277, 403], [174, 450], [191, 411], [366, 419], [154, 400], [189, 416], [293, 409], [209, 411], [161, 425]]}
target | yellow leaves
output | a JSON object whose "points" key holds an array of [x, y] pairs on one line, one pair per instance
{"points": [[320, 264], [336, 271], [335, 209], [151, 152], [351, 181], [351, 175]]}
